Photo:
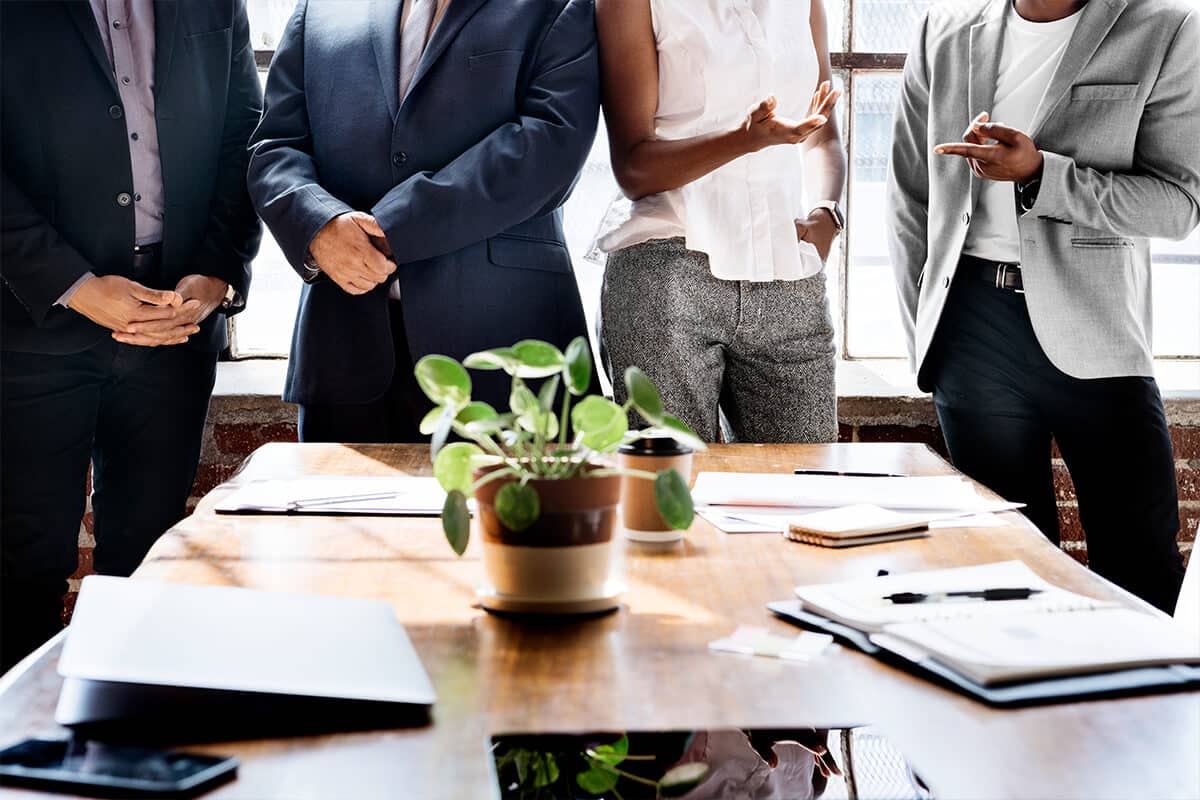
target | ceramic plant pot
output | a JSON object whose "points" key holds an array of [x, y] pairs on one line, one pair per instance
{"points": [[567, 562]]}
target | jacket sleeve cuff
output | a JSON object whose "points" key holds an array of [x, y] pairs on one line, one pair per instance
{"points": [[1052, 202]]}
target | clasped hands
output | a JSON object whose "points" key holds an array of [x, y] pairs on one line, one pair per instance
{"points": [[139, 315], [996, 152], [353, 251]]}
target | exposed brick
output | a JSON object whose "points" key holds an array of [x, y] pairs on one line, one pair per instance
{"points": [[242, 439], [209, 476], [1070, 529], [85, 564], [1064, 488], [1189, 523], [924, 434], [1186, 440], [1188, 479]]}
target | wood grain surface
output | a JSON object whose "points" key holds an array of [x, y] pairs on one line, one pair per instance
{"points": [[646, 666]]}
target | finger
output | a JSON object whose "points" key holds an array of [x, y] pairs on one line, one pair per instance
{"points": [[764, 110], [376, 265], [828, 103], [155, 296], [971, 134], [983, 152], [1001, 133], [163, 334], [368, 224], [807, 127], [146, 312], [142, 340], [161, 328]]}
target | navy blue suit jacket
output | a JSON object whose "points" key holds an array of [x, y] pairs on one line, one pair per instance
{"points": [[66, 160], [466, 177]]}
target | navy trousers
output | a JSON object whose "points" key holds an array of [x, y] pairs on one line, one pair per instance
{"points": [[138, 415], [1001, 402]]}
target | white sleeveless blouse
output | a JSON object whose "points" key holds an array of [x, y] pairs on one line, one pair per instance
{"points": [[717, 59]]}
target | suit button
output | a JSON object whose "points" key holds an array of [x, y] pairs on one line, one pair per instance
{"points": [[398, 159], [116, 112], [124, 199], [966, 218]]}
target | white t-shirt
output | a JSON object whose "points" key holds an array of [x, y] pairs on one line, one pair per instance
{"points": [[717, 59], [1028, 60]]}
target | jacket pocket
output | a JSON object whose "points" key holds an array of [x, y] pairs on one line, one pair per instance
{"points": [[1101, 242], [1104, 91], [525, 252], [494, 59]]}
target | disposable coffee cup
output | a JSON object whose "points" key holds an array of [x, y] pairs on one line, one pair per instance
{"points": [[639, 512]]}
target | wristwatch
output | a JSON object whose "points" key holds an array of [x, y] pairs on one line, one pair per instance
{"points": [[835, 211], [1027, 194], [230, 299]]}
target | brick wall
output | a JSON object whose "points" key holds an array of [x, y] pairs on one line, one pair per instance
{"points": [[239, 424]]}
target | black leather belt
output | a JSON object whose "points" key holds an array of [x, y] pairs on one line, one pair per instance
{"points": [[995, 273], [146, 258]]}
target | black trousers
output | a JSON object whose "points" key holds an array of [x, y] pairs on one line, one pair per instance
{"points": [[138, 415], [1001, 401], [394, 417]]}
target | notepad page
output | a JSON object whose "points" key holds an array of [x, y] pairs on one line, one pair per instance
{"points": [[1035, 645], [396, 494], [861, 604], [936, 493]]}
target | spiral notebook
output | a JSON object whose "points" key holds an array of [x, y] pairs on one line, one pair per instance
{"points": [[1054, 645]]}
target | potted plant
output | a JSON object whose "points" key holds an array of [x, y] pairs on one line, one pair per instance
{"points": [[545, 488]]}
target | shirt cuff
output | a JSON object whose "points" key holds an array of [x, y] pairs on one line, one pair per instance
{"points": [[69, 293]]}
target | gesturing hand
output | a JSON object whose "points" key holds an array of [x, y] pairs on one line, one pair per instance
{"points": [[1011, 155], [201, 295], [345, 251], [118, 303], [764, 129]]}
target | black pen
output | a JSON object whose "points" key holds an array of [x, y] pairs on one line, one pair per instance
{"points": [[908, 598], [832, 472]]}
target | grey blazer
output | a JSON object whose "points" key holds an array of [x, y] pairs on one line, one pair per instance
{"points": [[1119, 128]]}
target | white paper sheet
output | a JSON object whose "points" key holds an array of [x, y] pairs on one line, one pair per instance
{"points": [[388, 496]]}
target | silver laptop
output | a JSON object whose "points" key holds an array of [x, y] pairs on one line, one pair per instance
{"points": [[177, 661]]}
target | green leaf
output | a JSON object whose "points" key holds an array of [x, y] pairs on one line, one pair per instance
{"points": [[537, 359], [579, 365], [517, 506], [682, 779], [452, 467], [499, 358], [430, 422], [545, 770], [597, 780], [673, 499], [644, 395], [547, 392], [443, 380], [445, 423], [456, 521], [523, 757], [601, 422], [475, 411], [522, 401], [680, 432], [613, 753]]}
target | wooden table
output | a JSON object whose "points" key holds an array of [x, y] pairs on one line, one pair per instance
{"points": [[645, 667]]}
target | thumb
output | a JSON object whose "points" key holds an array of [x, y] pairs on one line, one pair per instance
{"points": [[368, 224], [1001, 133], [154, 296], [764, 110]]}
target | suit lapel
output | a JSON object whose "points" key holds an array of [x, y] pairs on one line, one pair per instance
{"points": [[81, 13], [987, 40], [385, 41], [166, 24], [1098, 18], [457, 14]]}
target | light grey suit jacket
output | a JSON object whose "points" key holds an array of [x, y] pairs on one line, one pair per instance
{"points": [[1120, 131]]}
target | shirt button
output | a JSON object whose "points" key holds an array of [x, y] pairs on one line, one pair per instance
{"points": [[124, 199], [133, 136], [125, 80], [137, 197], [117, 24], [966, 218], [398, 159]]}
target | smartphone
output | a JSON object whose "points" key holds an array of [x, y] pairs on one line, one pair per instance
{"points": [[101, 770]]}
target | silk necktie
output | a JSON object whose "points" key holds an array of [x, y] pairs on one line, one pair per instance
{"points": [[413, 37]]}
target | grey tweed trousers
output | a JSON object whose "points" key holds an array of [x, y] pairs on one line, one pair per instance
{"points": [[759, 354]]}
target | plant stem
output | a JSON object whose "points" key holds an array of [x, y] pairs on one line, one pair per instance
{"points": [[493, 476], [562, 424]]}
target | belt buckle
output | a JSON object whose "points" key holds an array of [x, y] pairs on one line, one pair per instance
{"points": [[1002, 276]]}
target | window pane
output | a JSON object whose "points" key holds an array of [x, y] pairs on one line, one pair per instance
{"points": [[886, 26], [1177, 296], [267, 19], [835, 23], [873, 318]]}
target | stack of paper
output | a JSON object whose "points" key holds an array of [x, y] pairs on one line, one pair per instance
{"points": [[767, 502], [394, 496]]}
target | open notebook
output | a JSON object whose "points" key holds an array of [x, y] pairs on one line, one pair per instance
{"points": [[1053, 633]]}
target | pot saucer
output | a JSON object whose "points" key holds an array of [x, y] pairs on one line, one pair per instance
{"points": [[491, 600]]}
